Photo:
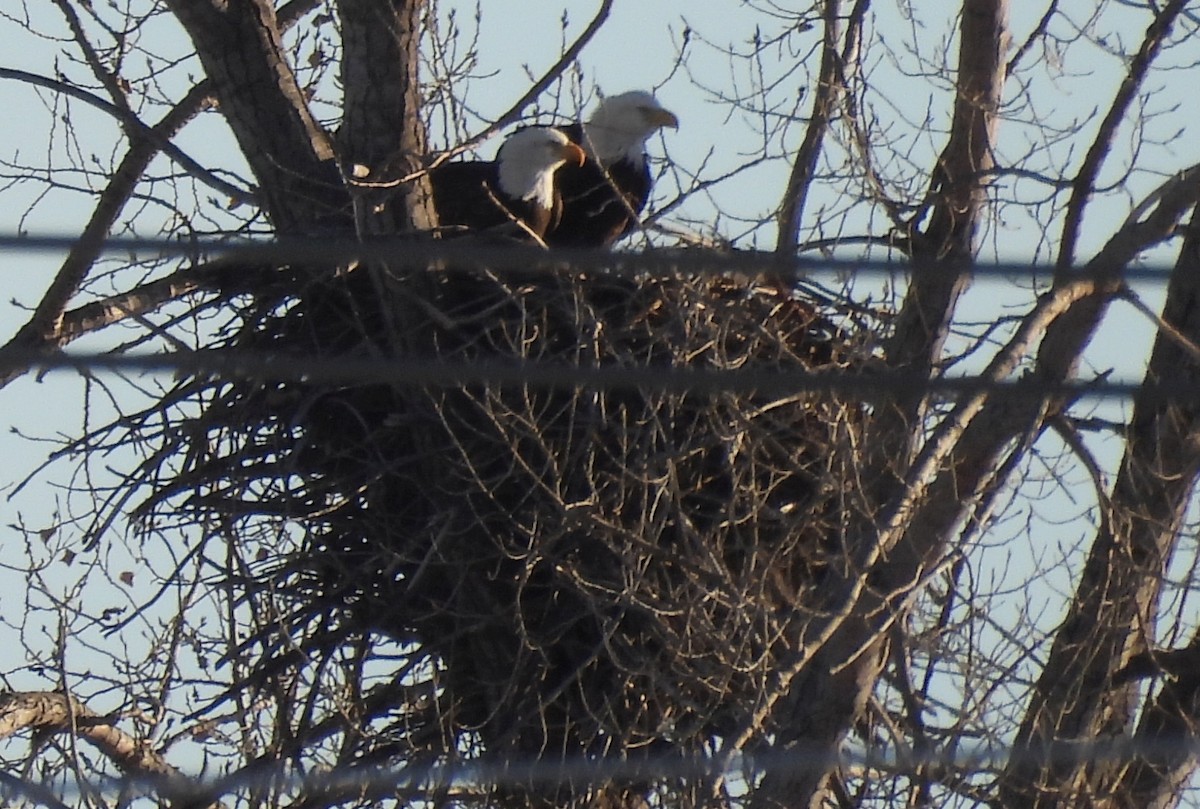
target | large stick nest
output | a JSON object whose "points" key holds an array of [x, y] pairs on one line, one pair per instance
{"points": [[591, 569]]}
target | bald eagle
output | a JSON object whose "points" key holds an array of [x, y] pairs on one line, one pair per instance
{"points": [[603, 196], [475, 195]]}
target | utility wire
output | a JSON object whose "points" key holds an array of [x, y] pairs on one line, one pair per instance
{"points": [[468, 777], [422, 253], [343, 371]]}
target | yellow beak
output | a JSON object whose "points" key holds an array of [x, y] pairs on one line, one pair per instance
{"points": [[660, 117], [571, 153]]}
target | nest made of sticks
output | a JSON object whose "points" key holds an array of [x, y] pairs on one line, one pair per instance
{"points": [[590, 566]]}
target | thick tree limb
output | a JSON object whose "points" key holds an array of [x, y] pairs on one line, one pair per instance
{"points": [[943, 253], [1166, 737], [909, 533], [818, 699], [239, 44], [844, 653], [1112, 614], [53, 712]]}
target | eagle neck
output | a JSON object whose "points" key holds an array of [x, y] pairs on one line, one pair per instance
{"points": [[524, 182], [610, 144]]}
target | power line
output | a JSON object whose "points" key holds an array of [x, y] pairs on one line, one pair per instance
{"points": [[470, 776], [403, 372], [421, 253]]}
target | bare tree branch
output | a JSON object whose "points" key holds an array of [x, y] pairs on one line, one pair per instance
{"points": [[54, 712], [157, 136], [43, 331], [829, 91], [944, 250], [549, 77], [1085, 180]]}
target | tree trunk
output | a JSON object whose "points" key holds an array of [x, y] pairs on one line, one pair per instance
{"points": [[382, 131], [240, 47]]}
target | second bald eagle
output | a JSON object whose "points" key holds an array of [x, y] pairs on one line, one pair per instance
{"points": [[603, 197]]}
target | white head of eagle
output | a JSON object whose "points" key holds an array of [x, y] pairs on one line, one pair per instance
{"points": [[621, 125], [528, 159]]}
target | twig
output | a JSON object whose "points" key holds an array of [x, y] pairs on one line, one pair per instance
{"points": [[135, 124], [514, 112]]}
